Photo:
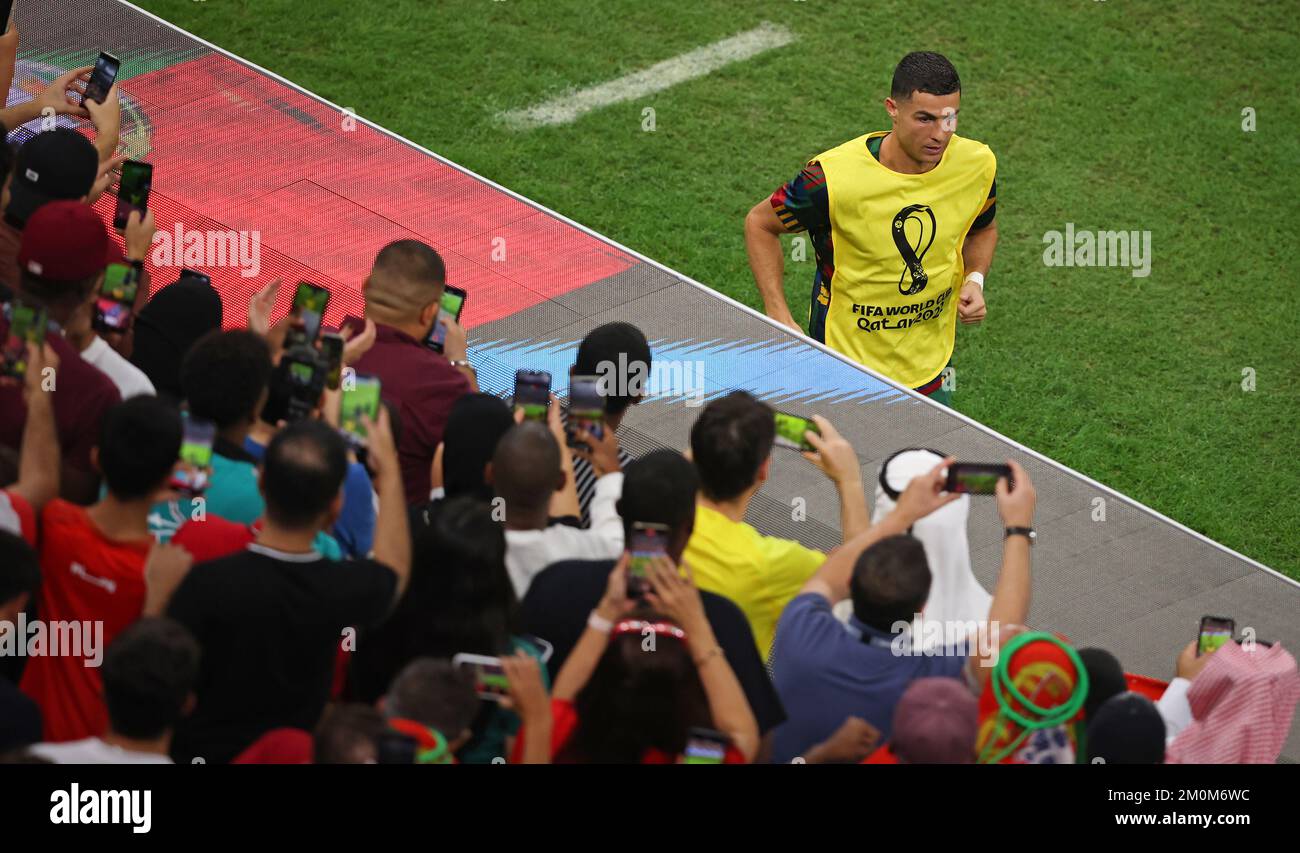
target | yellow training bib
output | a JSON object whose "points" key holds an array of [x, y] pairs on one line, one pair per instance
{"points": [[897, 241]]}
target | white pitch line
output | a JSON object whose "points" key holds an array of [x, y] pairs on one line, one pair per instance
{"points": [[688, 66]]}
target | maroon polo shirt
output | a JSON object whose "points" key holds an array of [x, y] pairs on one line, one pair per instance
{"points": [[422, 386], [82, 396]]}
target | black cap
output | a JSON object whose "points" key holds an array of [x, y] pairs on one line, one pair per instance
{"points": [[51, 166]]}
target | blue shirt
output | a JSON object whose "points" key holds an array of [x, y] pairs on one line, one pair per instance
{"points": [[354, 529], [825, 672]]}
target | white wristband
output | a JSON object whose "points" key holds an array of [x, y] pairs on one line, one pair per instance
{"points": [[977, 277], [596, 622]]}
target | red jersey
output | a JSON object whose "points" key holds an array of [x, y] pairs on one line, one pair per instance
{"points": [[91, 588], [17, 517]]}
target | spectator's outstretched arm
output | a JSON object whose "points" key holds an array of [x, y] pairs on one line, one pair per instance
{"points": [[565, 501], [922, 496], [392, 534], [603, 459], [455, 349], [528, 699], [38, 459], [678, 598], [8, 58], [836, 458], [582, 661], [107, 119]]}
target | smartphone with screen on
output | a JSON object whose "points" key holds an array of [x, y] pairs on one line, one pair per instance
{"points": [[790, 431], [116, 301], [585, 410], [27, 324], [705, 746], [308, 311], [453, 302], [331, 349], [976, 478], [489, 676], [132, 191], [190, 476], [360, 398], [102, 78], [533, 393], [1213, 632], [649, 540]]}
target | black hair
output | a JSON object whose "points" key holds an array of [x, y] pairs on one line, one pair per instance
{"points": [[1127, 729], [924, 71], [20, 570], [890, 583], [637, 700], [149, 672], [348, 734], [610, 350], [474, 427], [56, 294], [412, 260], [139, 443], [729, 442], [436, 694], [302, 473], [659, 488], [1105, 678], [225, 374], [526, 466]]}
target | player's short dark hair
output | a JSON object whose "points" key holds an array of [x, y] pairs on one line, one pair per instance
{"points": [[729, 442], [436, 694], [139, 443], [149, 673], [890, 583], [924, 71], [224, 374], [20, 571], [302, 473], [659, 488], [604, 345]]}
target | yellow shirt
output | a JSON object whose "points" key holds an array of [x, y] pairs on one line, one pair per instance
{"points": [[898, 267], [759, 573]]}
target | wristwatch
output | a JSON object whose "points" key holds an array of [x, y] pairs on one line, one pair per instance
{"points": [[1027, 532]]}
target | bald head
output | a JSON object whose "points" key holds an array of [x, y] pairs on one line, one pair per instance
{"points": [[407, 277], [526, 468]]}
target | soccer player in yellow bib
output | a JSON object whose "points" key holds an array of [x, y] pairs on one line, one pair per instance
{"points": [[902, 225]]}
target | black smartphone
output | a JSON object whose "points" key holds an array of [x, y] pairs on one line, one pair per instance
{"points": [[190, 476], [27, 324], [186, 272], [132, 191], [585, 410], [705, 746], [7, 9], [102, 78], [648, 541], [453, 302], [296, 386], [361, 398], [533, 393], [308, 311], [1213, 632], [976, 478], [790, 431], [331, 349], [116, 301]]}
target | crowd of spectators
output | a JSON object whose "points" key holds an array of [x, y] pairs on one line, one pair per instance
{"points": [[317, 601]]}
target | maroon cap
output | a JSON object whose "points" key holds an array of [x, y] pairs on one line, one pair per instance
{"points": [[935, 722], [65, 241]]}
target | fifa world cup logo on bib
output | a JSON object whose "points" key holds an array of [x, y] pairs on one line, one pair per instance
{"points": [[910, 254]]}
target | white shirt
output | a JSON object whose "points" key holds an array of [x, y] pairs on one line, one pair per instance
{"points": [[530, 551], [129, 379], [92, 750], [1175, 709]]}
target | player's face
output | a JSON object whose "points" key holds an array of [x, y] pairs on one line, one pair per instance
{"points": [[924, 123]]}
